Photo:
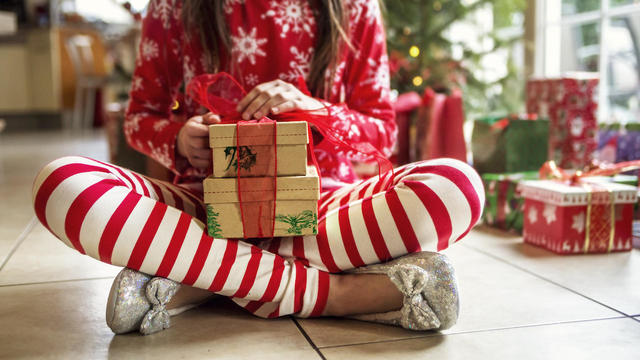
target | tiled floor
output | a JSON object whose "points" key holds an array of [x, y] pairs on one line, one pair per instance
{"points": [[518, 302]]}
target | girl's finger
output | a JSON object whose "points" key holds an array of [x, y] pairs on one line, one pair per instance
{"points": [[195, 129], [199, 142], [202, 154], [242, 105], [269, 104], [210, 119], [251, 109], [286, 106], [196, 119]]}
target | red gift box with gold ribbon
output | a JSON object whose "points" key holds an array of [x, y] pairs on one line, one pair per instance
{"points": [[578, 218]]}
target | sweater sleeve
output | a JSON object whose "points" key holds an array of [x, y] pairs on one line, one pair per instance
{"points": [[148, 125], [367, 112]]}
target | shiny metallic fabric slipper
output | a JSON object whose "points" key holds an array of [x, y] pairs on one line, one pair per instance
{"points": [[428, 283], [138, 301]]}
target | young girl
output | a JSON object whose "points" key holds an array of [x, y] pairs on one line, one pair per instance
{"points": [[154, 227]]}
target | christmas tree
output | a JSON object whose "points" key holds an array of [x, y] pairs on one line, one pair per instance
{"points": [[427, 47]]}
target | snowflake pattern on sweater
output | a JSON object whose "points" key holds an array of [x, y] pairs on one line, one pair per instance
{"points": [[270, 40], [291, 15]]}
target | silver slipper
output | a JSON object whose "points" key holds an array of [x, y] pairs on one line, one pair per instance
{"points": [[428, 283], [137, 301]]}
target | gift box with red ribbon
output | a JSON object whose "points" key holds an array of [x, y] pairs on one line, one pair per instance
{"points": [[579, 218], [570, 104], [253, 151], [258, 214]]}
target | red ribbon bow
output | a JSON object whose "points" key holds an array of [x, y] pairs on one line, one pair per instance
{"points": [[220, 94]]}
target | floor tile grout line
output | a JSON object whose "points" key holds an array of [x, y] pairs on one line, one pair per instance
{"points": [[306, 336], [57, 281], [19, 240], [546, 279], [474, 332]]}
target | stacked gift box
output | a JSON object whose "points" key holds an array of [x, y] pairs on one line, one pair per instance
{"points": [[506, 150], [262, 185], [573, 213], [570, 104]]}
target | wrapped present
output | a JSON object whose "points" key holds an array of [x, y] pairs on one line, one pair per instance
{"points": [[253, 151], [503, 204], [570, 105], [581, 218], [618, 142], [439, 128], [509, 144], [249, 208], [405, 106]]}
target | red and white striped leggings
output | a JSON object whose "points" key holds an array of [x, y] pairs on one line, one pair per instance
{"points": [[126, 219]]}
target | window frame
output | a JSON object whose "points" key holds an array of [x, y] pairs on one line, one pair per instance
{"points": [[549, 23]]}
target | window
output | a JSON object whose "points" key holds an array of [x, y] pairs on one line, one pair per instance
{"points": [[108, 11], [596, 36]]}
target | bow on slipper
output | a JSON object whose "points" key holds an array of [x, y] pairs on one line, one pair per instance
{"points": [[158, 294], [412, 281]]}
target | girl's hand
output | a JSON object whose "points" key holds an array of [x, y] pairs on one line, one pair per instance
{"points": [[275, 97], [193, 140]]}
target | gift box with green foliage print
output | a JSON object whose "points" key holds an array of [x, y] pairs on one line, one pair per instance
{"points": [[503, 207], [251, 211]]}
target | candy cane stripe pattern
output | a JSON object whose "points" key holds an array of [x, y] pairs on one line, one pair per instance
{"points": [[126, 219]]}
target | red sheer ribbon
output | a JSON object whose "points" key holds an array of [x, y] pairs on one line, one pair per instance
{"points": [[220, 94], [261, 207]]}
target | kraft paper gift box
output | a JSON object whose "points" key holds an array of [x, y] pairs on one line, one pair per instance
{"points": [[578, 219], [296, 206], [255, 146], [509, 144]]}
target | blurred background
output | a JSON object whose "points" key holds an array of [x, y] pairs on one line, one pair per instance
{"points": [[67, 64]]}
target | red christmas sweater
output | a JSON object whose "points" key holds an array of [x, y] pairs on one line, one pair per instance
{"points": [[270, 40]]}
